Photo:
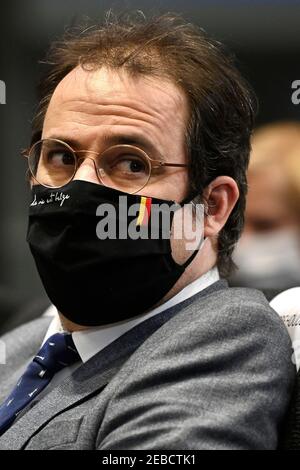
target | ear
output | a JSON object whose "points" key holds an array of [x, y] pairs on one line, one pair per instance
{"points": [[220, 197]]}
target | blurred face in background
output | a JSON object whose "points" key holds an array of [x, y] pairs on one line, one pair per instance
{"points": [[268, 254]]}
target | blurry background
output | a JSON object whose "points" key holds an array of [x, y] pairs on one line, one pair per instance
{"points": [[263, 34]]}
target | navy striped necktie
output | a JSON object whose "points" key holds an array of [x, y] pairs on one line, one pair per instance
{"points": [[57, 352]]}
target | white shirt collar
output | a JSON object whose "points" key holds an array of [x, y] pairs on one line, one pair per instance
{"points": [[89, 342]]}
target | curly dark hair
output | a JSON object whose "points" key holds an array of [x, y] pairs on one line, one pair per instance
{"points": [[222, 106]]}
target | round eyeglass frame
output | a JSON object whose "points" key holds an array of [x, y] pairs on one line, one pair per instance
{"points": [[152, 163]]}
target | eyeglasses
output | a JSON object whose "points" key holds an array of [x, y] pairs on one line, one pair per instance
{"points": [[53, 163]]}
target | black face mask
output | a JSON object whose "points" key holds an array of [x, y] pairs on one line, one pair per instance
{"points": [[92, 281]]}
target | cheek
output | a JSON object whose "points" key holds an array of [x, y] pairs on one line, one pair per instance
{"points": [[187, 232], [172, 188]]}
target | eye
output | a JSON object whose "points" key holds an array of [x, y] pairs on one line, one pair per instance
{"points": [[129, 165], [133, 165], [59, 158]]}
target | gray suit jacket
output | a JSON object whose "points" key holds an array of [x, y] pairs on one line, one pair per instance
{"points": [[214, 372]]}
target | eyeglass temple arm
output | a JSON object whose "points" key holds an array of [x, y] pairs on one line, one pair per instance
{"points": [[181, 165]]}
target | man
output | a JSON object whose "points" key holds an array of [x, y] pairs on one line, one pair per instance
{"points": [[156, 351]]}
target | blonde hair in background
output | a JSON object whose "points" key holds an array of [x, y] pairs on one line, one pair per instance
{"points": [[277, 147], [273, 143], [292, 170]]}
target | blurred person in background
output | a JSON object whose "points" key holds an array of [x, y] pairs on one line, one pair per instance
{"points": [[268, 253]]}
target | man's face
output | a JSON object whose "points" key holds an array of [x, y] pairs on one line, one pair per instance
{"points": [[88, 107]]}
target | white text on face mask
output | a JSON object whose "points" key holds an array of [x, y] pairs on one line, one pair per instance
{"points": [[54, 197]]}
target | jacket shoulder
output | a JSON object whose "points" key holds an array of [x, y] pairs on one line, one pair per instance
{"points": [[217, 375], [240, 310]]}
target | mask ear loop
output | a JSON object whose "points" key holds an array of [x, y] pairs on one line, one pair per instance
{"points": [[193, 255], [195, 252]]}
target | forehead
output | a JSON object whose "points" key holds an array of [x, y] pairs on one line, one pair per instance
{"points": [[91, 84], [113, 95]]}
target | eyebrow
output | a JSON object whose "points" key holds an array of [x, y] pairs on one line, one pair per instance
{"points": [[117, 139]]}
